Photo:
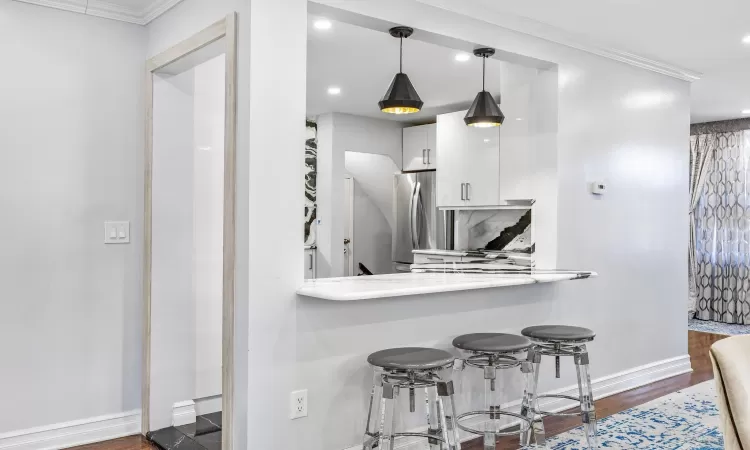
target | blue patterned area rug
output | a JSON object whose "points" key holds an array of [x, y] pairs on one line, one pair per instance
{"points": [[707, 326], [684, 420]]}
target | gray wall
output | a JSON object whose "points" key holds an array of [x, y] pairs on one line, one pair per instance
{"points": [[71, 138]]}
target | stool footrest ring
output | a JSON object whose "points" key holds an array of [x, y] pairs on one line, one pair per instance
{"points": [[422, 435], [525, 423], [566, 397]]}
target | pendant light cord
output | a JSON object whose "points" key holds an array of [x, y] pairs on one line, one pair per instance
{"points": [[401, 56], [484, 61]]}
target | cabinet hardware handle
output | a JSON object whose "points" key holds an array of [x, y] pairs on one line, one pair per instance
{"points": [[468, 191], [463, 196], [424, 150], [428, 156], [435, 259], [311, 261]]}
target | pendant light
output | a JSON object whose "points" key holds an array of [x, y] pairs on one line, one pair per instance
{"points": [[401, 97], [484, 112]]}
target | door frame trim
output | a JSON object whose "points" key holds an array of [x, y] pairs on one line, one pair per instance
{"points": [[225, 28]]}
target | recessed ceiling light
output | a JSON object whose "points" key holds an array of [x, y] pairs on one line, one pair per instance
{"points": [[746, 111], [322, 24], [746, 39], [486, 140], [334, 90], [462, 57], [519, 118]]}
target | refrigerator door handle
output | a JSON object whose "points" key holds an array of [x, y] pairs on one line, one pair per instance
{"points": [[412, 216], [413, 219]]}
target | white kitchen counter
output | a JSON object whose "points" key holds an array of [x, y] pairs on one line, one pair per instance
{"points": [[401, 284]]}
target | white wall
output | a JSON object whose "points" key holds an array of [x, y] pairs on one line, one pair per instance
{"points": [[270, 180], [635, 237], [173, 311], [373, 210], [337, 134], [208, 223], [71, 134]]}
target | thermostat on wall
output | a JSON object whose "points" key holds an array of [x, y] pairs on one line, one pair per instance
{"points": [[598, 187]]}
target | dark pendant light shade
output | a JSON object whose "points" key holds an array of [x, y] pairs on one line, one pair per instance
{"points": [[401, 97], [484, 112]]}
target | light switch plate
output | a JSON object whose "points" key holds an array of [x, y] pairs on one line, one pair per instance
{"points": [[117, 232]]}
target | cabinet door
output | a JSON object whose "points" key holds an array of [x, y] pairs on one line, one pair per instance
{"points": [[482, 166], [414, 148], [431, 132], [451, 156], [518, 169]]}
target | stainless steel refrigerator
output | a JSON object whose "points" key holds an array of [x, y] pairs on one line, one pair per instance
{"points": [[420, 225]]}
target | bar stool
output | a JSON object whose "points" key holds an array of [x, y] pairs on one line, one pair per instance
{"points": [[411, 368], [490, 352], [557, 341]]}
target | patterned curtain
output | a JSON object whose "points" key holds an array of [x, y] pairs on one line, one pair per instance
{"points": [[722, 229]]}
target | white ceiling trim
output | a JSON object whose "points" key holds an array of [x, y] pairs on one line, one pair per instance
{"points": [[157, 9], [549, 33], [100, 8]]}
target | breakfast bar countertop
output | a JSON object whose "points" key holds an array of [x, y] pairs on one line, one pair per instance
{"points": [[401, 284]]}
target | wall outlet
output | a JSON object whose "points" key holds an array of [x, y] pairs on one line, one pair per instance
{"points": [[298, 404]]}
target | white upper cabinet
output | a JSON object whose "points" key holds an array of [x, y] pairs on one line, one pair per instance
{"points": [[468, 172], [518, 166], [419, 147], [490, 166]]}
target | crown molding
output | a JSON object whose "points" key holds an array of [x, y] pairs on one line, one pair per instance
{"points": [[108, 10], [158, 8], [550, 33]]}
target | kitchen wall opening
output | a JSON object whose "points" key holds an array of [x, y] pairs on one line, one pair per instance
{"points": [[425, 187]]}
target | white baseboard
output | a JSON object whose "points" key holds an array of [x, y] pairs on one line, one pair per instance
{"points": [[183, 413], [208, 405], [71, 434], [602, 387]]}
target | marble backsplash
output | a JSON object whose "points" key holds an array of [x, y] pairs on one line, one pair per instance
{"points": [[311, 173], [498, 230]]}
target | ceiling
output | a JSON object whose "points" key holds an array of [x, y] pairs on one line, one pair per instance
{"points": [[362, 63], [140, 12], [699, 35]]}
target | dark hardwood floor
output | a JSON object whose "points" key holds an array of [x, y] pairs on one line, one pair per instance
{"points": [[698, 346]]}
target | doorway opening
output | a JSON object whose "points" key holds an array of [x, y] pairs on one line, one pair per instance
{"points": [[189, 240]]}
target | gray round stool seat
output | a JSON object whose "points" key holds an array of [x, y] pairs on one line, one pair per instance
{"points": [[559, 333], [411, 358], [492, 343]]}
